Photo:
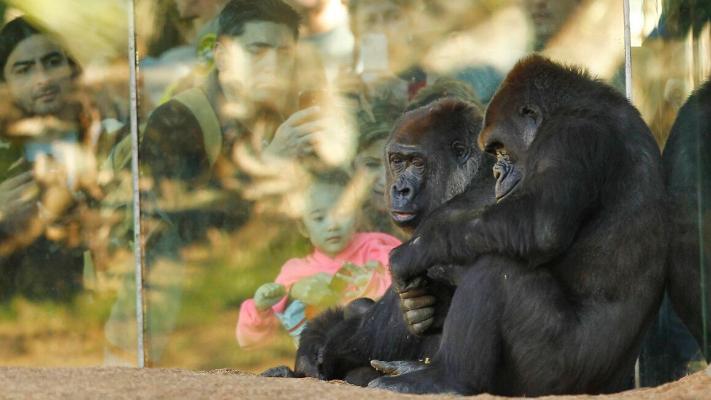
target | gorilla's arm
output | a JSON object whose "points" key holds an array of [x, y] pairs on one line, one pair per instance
{"points": [[536, 222]]}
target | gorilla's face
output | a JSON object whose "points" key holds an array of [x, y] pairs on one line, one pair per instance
{"points": [[430, 157], [508, 135], [407, 173]]}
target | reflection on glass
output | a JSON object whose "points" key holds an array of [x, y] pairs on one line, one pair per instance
{"points": [[671, 58], [675, 351], [262, 152], [63, 236]]}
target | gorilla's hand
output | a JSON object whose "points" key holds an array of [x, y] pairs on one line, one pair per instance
{"points": [[407, 261], [281, 371], [417, 305]]}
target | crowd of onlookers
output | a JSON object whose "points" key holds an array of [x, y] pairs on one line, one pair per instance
{"points": [[274, 110]]}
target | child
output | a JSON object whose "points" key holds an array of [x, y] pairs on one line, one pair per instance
{"points": [[343, 266]]}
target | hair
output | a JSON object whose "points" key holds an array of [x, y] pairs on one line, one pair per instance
{"points": [[444, 88], [333, 176], [334, 179], [237, 13], [377, 125], [11, 35]]}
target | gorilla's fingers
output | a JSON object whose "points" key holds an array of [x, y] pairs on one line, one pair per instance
{"points": [[402, 286], [386, 367], [416, 283], [420, 327], [393, 368], [413, 303], [419, 315], [413, 293]]}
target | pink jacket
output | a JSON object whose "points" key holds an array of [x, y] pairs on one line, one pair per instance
{"points": [[255, 327]]}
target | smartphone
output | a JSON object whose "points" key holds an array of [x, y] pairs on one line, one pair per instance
{"points": [[310, 98], [374, 53]]}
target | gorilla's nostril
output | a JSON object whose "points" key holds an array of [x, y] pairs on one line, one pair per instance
{"points": [[497, 170]]}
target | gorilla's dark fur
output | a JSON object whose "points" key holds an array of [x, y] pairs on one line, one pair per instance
{"points": [[567, 269], [687, 163]]}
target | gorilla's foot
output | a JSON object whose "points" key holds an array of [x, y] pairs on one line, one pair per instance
{"points": [[421, 381]]}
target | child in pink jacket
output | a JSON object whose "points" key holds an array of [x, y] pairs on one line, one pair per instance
{"points": [[360, 260]]}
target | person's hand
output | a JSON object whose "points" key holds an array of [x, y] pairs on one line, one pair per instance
{"points": [[351, 273], [296, 136], [17, 194], [56, 195], [268, 294], [354, 278], [314, 290]]}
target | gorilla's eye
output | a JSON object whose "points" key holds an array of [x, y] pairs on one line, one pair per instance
{"points": [[459, 150], [418, 162], [396, 161]]}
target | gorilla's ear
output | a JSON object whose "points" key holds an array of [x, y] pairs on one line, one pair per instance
{"points": [[532, 112]]}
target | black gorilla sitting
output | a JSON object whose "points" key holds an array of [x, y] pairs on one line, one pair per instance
{"points": [[687, 163], [431, 156], [567, 269]]}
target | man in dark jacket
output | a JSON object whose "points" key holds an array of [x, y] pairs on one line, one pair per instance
{"points": [[249, 100], [46, 153]]}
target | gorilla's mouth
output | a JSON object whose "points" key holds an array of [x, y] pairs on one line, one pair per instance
{"points": [[402, 217], [507, 178]]}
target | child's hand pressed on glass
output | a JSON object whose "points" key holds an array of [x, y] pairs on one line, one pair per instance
{"points": [[313, 289], [268, 294]]}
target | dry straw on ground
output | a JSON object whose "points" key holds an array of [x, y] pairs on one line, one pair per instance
{"points": [[128, 383]]}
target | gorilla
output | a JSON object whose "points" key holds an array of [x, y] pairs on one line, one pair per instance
{"points": [[431, 156], [567, 269], [687, 163]]}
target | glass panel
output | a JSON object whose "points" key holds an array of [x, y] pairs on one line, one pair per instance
{"points": [[670, 60], [257, 140], [65, 246]]}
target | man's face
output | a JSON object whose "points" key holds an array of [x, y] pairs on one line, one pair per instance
{"points": [[257, 66], [549, 16], [39, 76]]}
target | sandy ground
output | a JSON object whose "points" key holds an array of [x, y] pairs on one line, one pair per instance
{"points": [[128, 383]]}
